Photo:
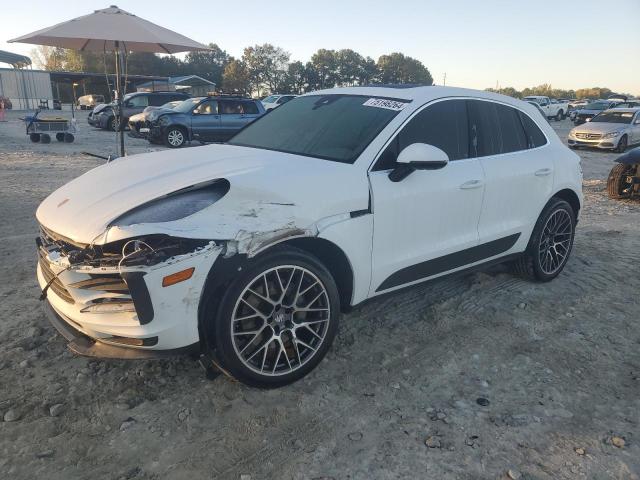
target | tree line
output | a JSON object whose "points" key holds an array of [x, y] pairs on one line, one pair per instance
{"points": [[548, 91], [261, 69]]}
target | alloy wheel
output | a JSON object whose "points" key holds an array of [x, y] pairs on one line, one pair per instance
{"points": [[175, 138], [280, 320], [555, 241]]}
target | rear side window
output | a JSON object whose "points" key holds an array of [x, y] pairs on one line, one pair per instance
{"points": [[495, 129], [158, 100], [443, 125], [535, 137], [231, 107], [250, 108]]}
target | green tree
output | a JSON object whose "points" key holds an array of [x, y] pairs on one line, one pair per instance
{"points": [[296, 78], [398, 68], [208, 64], [266, 66], [323, 69], [235, 78]]}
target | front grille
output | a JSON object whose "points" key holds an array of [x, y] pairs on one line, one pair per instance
{"points": [[57, 286], [589, 136]]}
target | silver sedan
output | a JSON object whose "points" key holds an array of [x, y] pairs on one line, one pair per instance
{"points": [[613, 129]]}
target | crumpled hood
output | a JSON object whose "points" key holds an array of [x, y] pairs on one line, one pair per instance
{"points": [[269, 191]]}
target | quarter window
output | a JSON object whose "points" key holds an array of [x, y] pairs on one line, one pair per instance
{"points": [[443, 125], [250, 108], [535, 137]]}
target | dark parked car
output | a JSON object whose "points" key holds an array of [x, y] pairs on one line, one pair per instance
{"points": [[103, 116], [206, 119], [590, 110]]}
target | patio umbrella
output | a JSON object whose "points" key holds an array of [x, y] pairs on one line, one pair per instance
{"points": [[114, 30]]}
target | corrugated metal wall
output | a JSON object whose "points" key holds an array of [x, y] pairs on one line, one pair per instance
{"points": [[25, 88]]}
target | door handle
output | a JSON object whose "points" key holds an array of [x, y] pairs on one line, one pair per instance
{"points": [[543, 172], [471, 184]]}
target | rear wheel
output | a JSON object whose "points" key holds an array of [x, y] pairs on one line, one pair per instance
{"points": [[175, 137], [277, 320], [45, 138], [34, 137], [60, 137], [550, 243], [622, 144], [69, 138], [560, 115], [617, 186]]}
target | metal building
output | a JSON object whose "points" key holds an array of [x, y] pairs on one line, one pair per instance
{"points": [[24, 87]]}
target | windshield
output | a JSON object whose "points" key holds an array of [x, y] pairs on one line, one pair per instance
{"points": [[270, 99], [188, 105], [613, 117], [596, 106], [331, 127]]}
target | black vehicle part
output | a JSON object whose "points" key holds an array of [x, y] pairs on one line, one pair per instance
{"points": [[618, 184], [34, 137], [139, 295], [60, 136]]}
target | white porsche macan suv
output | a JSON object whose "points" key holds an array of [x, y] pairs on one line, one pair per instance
{"points": [[247, 252]]}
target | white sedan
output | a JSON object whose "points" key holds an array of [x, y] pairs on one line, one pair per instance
{"points": [[247, 252], [274, 101]]}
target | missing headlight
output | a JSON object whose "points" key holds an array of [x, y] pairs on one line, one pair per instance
{"points": [[176, 205]]}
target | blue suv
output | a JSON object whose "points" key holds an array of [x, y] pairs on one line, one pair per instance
{"points": [[206, 119]]}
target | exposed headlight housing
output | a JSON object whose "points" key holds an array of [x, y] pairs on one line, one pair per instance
{"points": [[176, 205], [611, 135]]}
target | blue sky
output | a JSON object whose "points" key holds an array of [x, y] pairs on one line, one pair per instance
{"points": [[477, 43]]}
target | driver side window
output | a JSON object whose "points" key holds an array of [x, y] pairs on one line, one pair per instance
{"points": [[443, 125]]}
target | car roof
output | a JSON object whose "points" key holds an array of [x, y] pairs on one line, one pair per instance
{"points": [[419, 94]]}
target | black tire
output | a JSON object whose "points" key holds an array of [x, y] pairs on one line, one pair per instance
{"points": [[623, 143], [560, 115], [530, 264], [34, 137], [113, 124], [60, 137], [220, 327], [616, 183], [69, 138], [175, 137], [45, 138]]}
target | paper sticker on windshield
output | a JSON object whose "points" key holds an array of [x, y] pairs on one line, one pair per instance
{"points": [[384, 103]]}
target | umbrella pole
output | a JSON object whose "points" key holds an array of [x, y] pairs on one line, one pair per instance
{"points": [[119, 69]]}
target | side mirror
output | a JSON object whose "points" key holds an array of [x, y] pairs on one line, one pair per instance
{"points": [[418, 156], [195, 112]]}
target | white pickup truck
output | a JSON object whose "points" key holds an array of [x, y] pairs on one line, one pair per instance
{"points": [[552, 108]]}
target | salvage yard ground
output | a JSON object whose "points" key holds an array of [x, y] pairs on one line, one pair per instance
{"points": [[481, 376]]}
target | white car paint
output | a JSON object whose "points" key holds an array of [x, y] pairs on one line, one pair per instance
{"points": [[607, 135], [550, 107], [274, 101], [381, 226]]}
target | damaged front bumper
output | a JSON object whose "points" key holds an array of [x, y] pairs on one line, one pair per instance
{"points": [[118, 308]]}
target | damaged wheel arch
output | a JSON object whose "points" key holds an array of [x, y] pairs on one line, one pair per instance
{"points": [[226, 268]]}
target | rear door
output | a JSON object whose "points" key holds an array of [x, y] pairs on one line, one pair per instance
{"points": [[232, 118], [205, 121], [518, 169]]}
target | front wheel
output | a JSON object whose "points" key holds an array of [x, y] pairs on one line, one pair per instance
{"points": [[560, 115], [277, 320], [174, 137], [622, 144], [550, 243]]}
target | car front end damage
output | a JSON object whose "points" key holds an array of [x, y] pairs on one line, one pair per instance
{"points": [[135, 298]]}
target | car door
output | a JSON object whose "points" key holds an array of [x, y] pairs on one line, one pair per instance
{"points": [[518, 169], [135, 105], [205, 121], [635, 129], [427, 223]]}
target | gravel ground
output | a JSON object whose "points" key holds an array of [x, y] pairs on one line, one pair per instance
{"points": [[483, 376]]}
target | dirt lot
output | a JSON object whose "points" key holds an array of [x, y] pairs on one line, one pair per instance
{"points": [[396, 397]]}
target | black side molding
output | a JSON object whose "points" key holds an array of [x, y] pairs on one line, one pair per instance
{"points": [[445, 263]]}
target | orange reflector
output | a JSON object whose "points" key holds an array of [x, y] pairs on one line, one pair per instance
{"points": [[177, 277]]}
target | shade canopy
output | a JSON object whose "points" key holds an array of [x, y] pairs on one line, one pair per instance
{"points": [[100, 30]]}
